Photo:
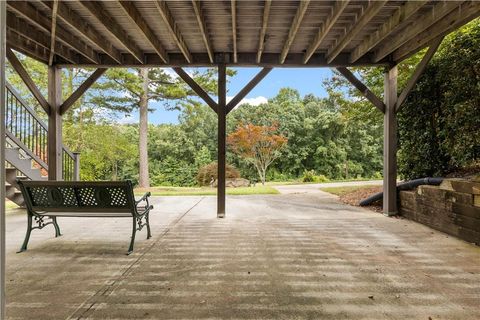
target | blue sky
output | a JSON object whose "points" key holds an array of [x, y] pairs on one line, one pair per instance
{"points": [[304, 80]]}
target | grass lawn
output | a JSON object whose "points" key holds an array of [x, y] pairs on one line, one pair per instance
{"points": [[192, 191], [10, 205], [340, 191], [294, 182]]}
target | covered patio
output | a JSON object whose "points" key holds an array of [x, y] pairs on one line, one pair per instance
{"points": [[297, 256], [272, 257]]}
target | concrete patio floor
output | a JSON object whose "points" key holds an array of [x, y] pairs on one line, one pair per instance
{"points": [[295, 256]]}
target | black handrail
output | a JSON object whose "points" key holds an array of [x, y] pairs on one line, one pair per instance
{"points": [[27, 130]]}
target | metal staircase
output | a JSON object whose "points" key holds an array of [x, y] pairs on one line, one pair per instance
{"points": [[26, 147]]}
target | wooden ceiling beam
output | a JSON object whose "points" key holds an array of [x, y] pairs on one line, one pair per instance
{"points": [[137, 19], [74, 21], [455, 19], [197, 8], [233, 6], [98, 11], [337, 11], [437, 12], [23, 28], [297, 21], [40, 21], [26, 46], [245, 59], [261, 44], [173, 28], [367, 15], [398, 20]]}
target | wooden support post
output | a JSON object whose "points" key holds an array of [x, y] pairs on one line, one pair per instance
{"points": [[390, 143], [3, 41], [222, 137], [76, 166], [54, 124]]}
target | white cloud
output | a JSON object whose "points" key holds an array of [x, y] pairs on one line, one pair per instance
{"points": [[174, 75], [255, 101], [126, 119]]}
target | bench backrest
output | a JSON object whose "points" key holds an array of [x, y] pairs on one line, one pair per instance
{"points": [[81, 196]]}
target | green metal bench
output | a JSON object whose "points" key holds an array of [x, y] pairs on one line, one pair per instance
{"points": [[52, 199]]}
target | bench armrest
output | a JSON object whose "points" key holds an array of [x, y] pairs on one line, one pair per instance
{"points": [[144, 208], [144, 197]]}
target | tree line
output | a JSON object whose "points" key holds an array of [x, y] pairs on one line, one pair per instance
{"points": [[339, 136]]}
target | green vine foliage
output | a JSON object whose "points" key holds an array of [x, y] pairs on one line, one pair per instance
{"points": [[439, 124]]}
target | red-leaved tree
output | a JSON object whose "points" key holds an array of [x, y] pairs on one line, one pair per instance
{"points": [[259, 145]]}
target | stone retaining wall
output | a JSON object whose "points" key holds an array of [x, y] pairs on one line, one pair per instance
{"points": [[453, 208]]}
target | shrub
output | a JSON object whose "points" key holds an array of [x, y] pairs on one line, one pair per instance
{"points": [[206, 173], [308, 176], [321, 178], [311, 176]]}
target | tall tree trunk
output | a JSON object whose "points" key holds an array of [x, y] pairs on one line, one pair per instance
{"points": [[144, 180]]}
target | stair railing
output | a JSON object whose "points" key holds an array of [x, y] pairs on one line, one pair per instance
{"points": [[27, 130]]}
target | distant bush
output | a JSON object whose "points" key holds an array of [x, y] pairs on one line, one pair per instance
{"points": [[308, 176], [311, 176], [206, 173], [321, 178]]}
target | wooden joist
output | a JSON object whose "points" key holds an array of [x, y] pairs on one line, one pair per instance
{"points": [[26, 46], [263, 30], [197, 8], [233, 8], [337, 11], [367, 15], [438, 11], [96, 9], [23, 28], [297, 21], [100, 34], [137, 19], [86, 31], [81, 90], [172, 28], [394, 23], [43, 24], [18, 67], [455, 19]]}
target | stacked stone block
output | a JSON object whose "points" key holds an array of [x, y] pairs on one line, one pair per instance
{"points": [[453, 208]]}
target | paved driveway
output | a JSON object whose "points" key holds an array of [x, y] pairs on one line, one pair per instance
{"points": [[301, 256]]}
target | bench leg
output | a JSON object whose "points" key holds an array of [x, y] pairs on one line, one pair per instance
{"points": [[147, 220], [27, 235], [57, 228], [134, 231]]}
